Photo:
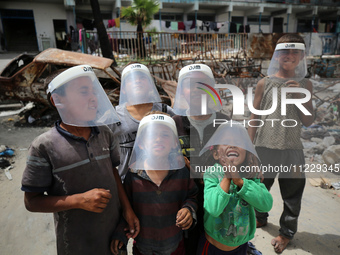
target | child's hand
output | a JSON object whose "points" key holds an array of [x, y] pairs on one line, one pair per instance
{"points": [[95, 200], [115, 245], [134, 226], [184, 219], [294, 84]]}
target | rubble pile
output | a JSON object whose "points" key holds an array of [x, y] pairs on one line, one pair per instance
{"points": [[321, 140]]}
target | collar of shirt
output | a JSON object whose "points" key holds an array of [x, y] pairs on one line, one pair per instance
{"points": [[65, 133]]}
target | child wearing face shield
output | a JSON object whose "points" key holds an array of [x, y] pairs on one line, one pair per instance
{"points": [[232, 189], [159, 187], [138, 95], [195, 128], [281, 145], [71, 169]]}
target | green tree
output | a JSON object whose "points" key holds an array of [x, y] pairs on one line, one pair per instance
{"points": [[140, 13]]}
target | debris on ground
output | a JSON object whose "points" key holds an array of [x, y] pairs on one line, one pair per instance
{"points": [[336, 185], [321, 141], [7, 173], [28, 106]]}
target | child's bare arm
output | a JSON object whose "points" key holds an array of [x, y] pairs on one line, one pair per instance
{"points": [[257, 102], [94, 200], [128, 213], [306, 120]]}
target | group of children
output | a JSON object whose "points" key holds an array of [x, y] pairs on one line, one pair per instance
{"points": [[156, 196]]}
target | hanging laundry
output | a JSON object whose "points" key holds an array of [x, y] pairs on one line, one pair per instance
{"points": [[117, 21], [111, 23], [193, 24], [219, 25], [80, 35], [233, 28], [199, 24], [162, 25], [181, 26], [241, 29], [237, 27], [213, 26], [188, 24], [247, 29], [174, 25], [206, 24], [167, 24]]}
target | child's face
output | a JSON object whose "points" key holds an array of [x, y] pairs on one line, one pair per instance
{"points": [[80, 101], [138, 84], [289, 59], [159, 141], [234, 154]]}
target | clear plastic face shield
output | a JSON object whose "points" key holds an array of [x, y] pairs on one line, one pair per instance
{"points": [[231, 141], [288, 62], [80, 99], [137, 86], [196, 94], [157, 145]]}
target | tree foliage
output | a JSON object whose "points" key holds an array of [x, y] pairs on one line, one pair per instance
{"points": [[140, 13]]}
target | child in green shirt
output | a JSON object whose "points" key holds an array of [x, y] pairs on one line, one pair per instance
{"points": [[232, 189]]}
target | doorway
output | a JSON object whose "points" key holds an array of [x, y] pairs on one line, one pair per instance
{"points": [[19, 30]]}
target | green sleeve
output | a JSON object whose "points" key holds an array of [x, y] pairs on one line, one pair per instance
{"points": [[215, 198], [256, 194]]}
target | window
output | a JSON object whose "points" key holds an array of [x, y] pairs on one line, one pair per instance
{"points": [[169, 16], [255, 20]]}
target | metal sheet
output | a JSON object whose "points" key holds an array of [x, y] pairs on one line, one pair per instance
{"points": [[61, 57]]}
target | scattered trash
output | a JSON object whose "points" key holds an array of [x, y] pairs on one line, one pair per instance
{"points": [[336, 185], [314, 131], [315, 182], [325, 183], [2, 148], [331, 155], [7, 152], [4, 163], [30, 119], [309, 145], [30, 105], [7, 173]]}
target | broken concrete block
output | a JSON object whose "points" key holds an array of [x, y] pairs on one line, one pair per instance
{"points": [[332, 155], [328, 141]]}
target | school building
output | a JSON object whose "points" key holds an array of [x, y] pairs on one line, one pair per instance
{"points": [[36, 25]]}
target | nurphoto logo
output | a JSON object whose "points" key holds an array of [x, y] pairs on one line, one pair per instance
{"points": [[238, 103], [204, 97]]}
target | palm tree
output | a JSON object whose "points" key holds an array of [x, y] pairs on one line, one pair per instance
{"points": [[141, 14]]}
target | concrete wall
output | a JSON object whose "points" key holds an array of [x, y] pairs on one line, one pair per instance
{"points": [[44, 14]]}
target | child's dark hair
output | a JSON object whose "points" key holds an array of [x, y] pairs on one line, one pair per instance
{"points": [[291, 38], [59, 91]]}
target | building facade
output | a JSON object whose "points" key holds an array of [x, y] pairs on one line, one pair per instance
{"points": [[35, 25]]}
